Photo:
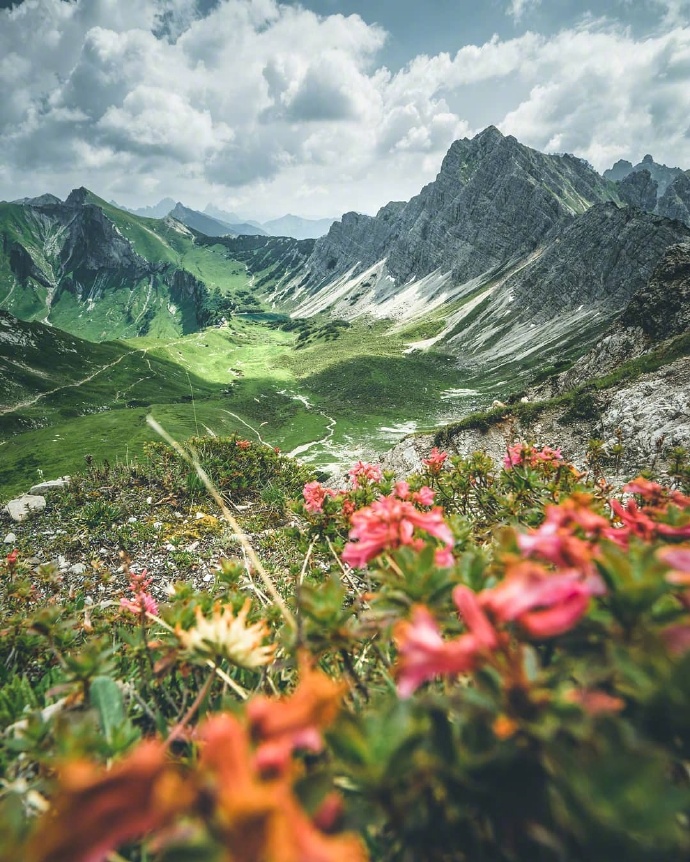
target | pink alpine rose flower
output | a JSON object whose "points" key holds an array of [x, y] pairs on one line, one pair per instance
{"points": [[474, 617], [542, 603], [401, 490], [435, 461], [314, 496], [424, 497], [389, 523], [521, 454], [656, 494], [362, 472], [424, 654], [679, 559], [141, 602]]}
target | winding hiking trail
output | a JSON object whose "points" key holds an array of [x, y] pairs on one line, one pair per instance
{"points": [[305, 447], [330, 427], [246, 424], [142, 351], [22, 404]]}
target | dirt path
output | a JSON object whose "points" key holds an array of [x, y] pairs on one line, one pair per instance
{"points": [[33, 401]]}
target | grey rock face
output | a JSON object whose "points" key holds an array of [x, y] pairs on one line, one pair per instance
{"points": [[653, 187], [652, 415], [20, 508], [657, 311], [639, 189], [493, 199], [602, 258], [662, 308], [675, 202], [619, 171]]}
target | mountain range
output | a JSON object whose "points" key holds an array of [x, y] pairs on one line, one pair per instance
{"points": [[510, 264], [94, 270], [514, 254], [217, 222]]}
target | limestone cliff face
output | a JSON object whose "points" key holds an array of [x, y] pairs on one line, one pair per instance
{"points": [[649, 411], [653, 188], [675, 202], [493, 200], [659, 310], [639, 189], [599, 261]]}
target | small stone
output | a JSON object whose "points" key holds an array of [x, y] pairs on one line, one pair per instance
{"points": [[61, 562], [131, 520], [78, 569], [207, 578], [10, 539], [149, 500], [88, 600], [192, 547], [20, 508]]}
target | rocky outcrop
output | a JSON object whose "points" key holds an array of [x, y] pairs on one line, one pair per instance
{"points": [[20, 508], [675, 202], [648, 416], [493, 199], [619, 171], [640, 190], [657, 311], [653, 187], [662, 175]]}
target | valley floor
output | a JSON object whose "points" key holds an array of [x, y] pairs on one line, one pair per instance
{"points": [[328, 398]]}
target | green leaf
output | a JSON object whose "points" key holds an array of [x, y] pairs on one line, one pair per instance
{"points": [[106, 698]]}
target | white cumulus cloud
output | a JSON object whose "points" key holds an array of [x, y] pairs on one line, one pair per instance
{"points": [[268, 107]]}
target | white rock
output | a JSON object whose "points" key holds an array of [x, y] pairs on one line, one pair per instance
{"points": [[207, 578], [78, 569], [20, 508], [10, 539], [53, 485]]}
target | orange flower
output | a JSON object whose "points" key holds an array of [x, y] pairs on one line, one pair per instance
{"points": [[259, 818], [504, 727], [97, 810], [284, 724]]}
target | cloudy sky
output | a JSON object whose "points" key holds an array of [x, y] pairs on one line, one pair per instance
{"points": [[324, 106]]}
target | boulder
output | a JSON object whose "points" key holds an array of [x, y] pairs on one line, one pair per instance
{"points": [[53, 485], [19, 508]]}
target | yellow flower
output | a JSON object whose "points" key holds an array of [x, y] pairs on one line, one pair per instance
{"points": [[226, 635]]}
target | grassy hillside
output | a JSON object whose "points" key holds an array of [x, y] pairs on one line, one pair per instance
{"points": [[326, 393], [67, 264]]}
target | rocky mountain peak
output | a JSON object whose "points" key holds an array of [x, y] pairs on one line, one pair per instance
{"points": [[77, 197], [493, 200]]}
